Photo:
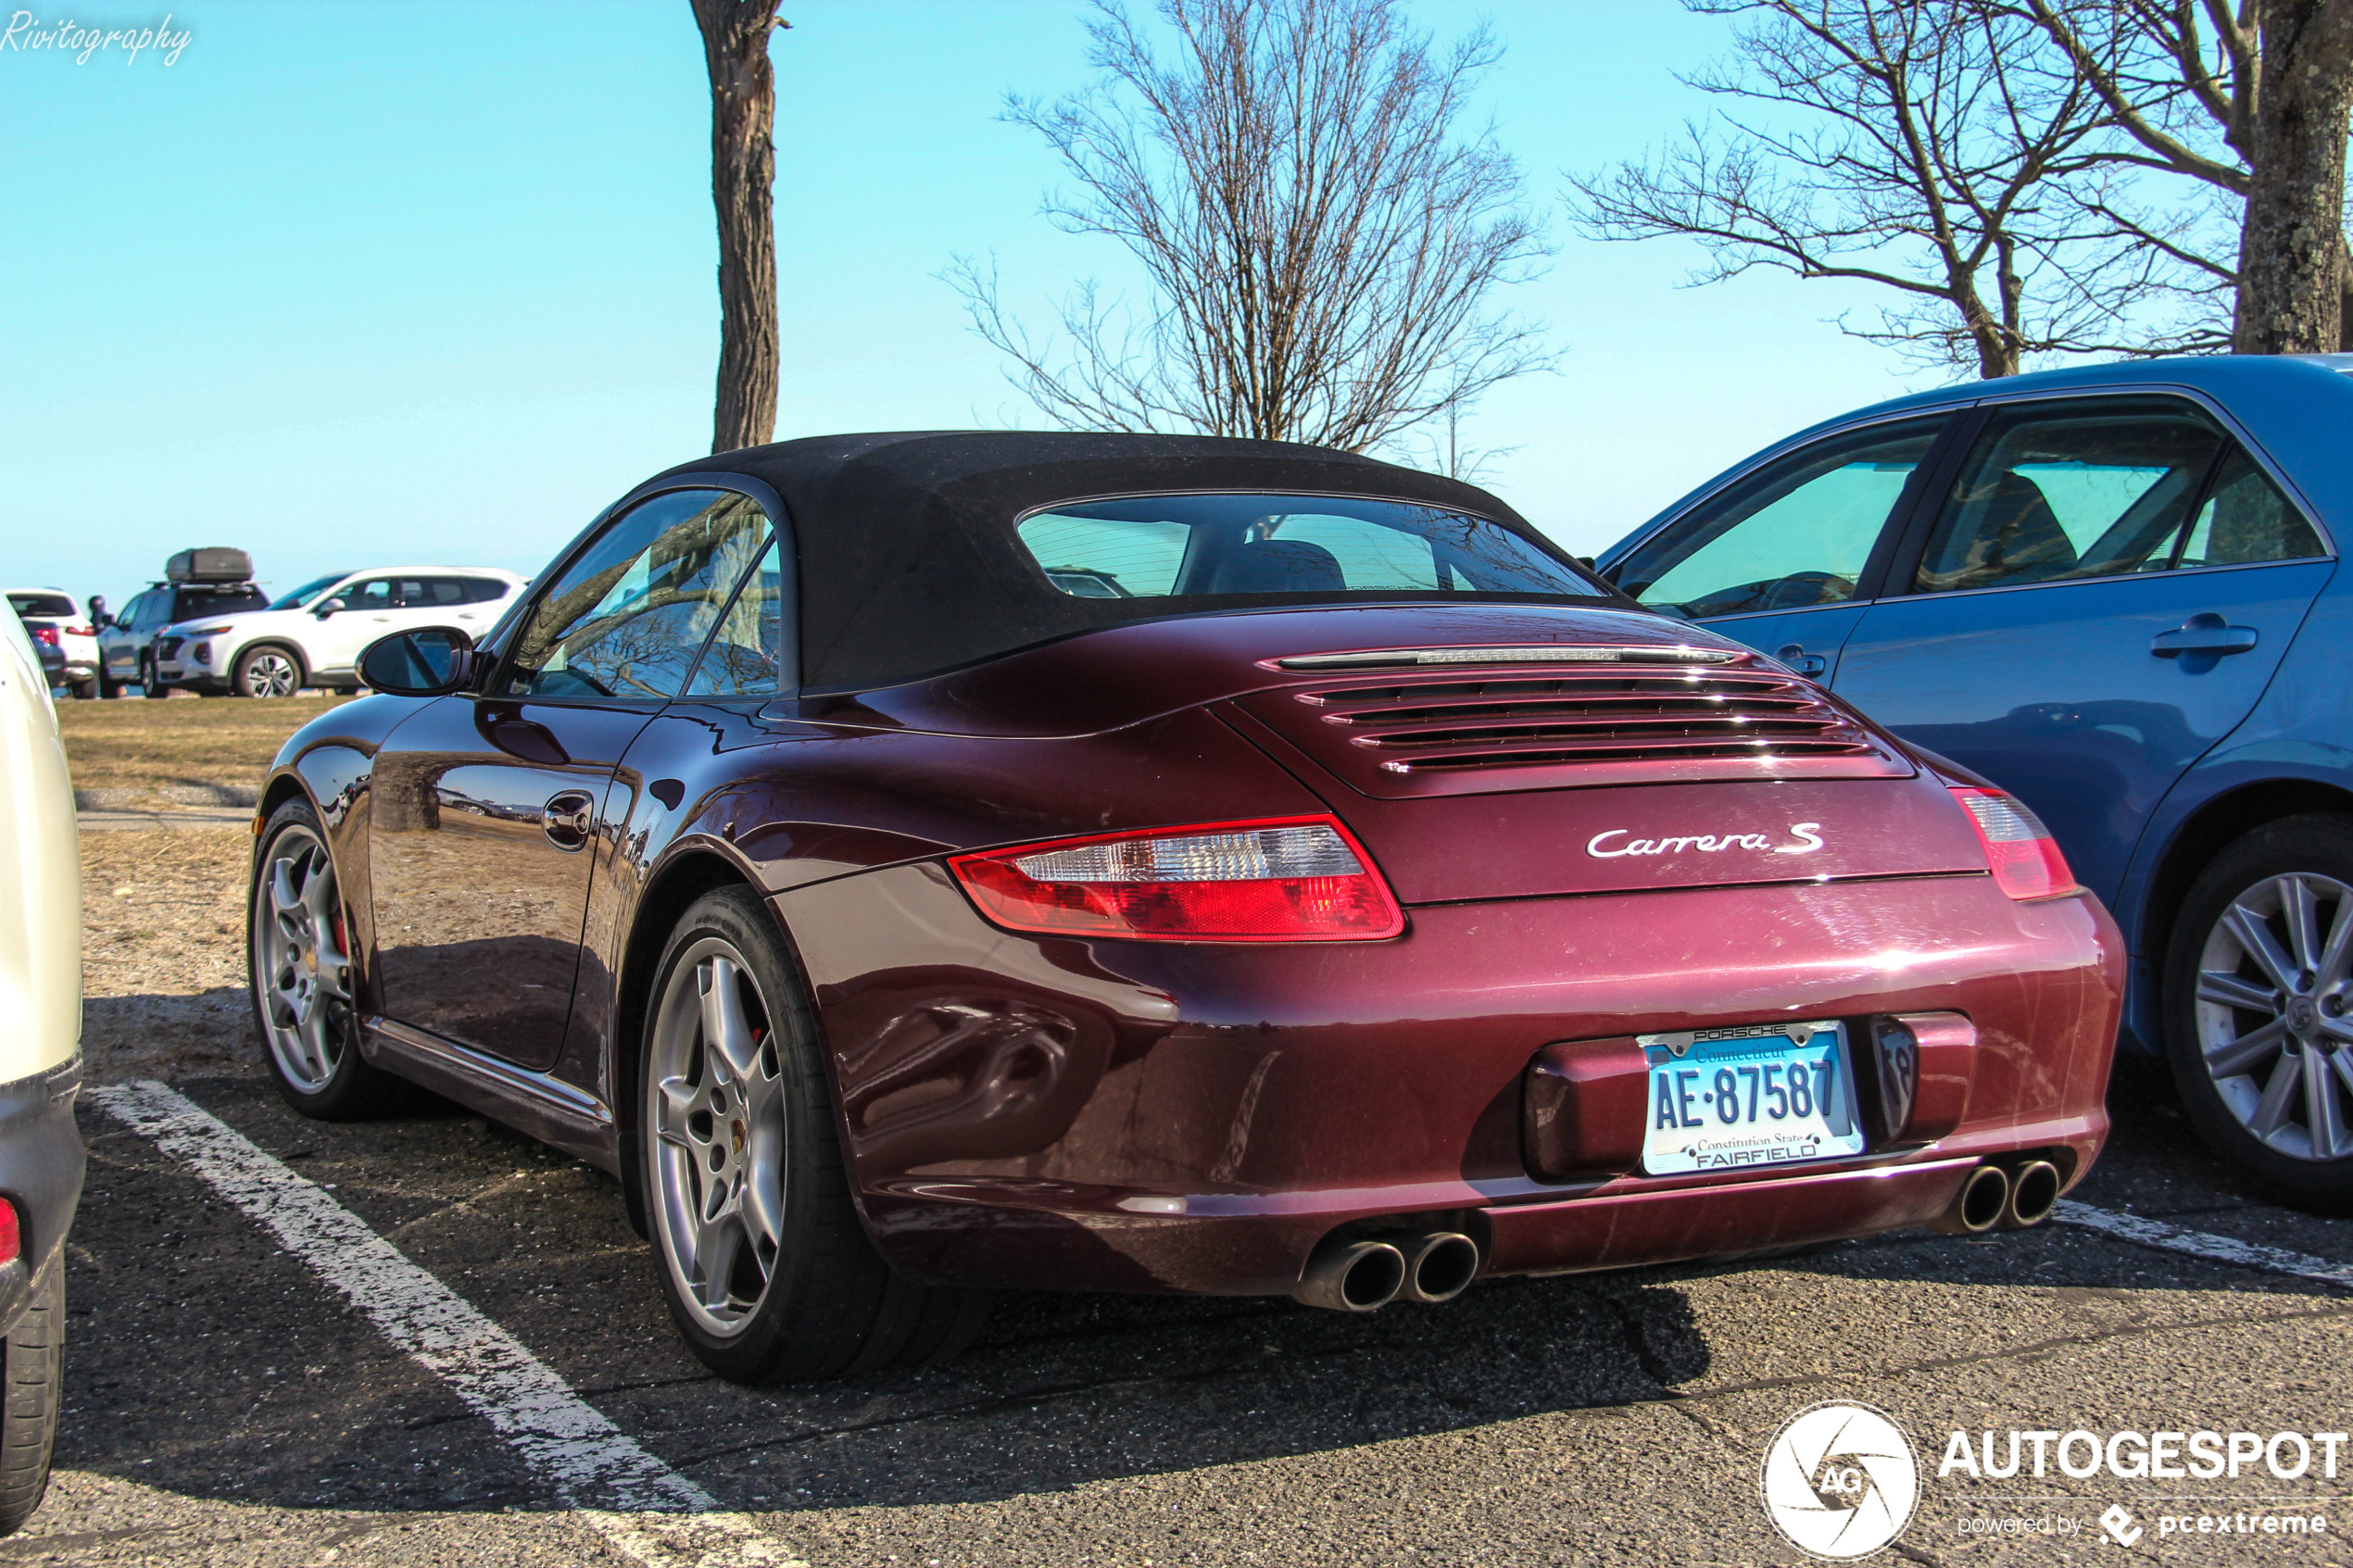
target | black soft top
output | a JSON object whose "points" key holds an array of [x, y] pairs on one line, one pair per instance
{"points": [[908, 564]]}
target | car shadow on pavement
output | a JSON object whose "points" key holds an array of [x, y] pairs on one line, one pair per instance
{"points": [[205, 1362]]}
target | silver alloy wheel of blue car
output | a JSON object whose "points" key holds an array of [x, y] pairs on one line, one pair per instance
{"points": [[716, 1137], [300, 963], [2274, 991]]}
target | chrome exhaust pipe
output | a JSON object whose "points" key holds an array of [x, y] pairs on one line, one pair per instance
{"points": [[1352, 1276], [1983, 1200], [1439, 1265], [2035, 1189]]}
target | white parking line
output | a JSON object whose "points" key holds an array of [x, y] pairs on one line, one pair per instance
{"points": [[627, 1495], [2201, 1244]]}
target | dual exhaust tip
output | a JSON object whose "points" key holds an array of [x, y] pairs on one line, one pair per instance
{"points": [[2011, 1198], [1366, 1274]]}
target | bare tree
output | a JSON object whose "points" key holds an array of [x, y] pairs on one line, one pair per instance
{"points": [[1932, 154], [743, 179], [2194, 91], [1318, 247]]}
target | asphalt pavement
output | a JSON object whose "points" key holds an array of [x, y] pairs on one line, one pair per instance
{"points": [[227, 1403]]}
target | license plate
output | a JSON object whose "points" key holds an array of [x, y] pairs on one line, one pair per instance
{"points": [[1730, 1100]]}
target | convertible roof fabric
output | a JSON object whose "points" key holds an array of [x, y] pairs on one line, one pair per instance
{"points": [[908, 564]]}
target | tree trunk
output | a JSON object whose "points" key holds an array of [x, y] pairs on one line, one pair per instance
{"points": [[743, 177], [2290, 296]]}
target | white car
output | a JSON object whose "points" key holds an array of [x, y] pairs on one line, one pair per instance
{"points": [[312, 637], [41, 1158], [60, 620]]}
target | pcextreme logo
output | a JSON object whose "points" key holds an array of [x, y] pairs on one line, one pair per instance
{"points": [[1840, 1480]]}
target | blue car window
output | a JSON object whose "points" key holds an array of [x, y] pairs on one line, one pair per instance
{"points": [[1796, 533], [2062, 492], [747, 651], [2244, 519]]}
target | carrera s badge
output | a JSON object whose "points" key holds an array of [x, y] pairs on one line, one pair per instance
{"points": [[1804, 840]]}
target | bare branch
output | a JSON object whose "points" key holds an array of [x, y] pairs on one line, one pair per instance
{"points": [[1317, 245]]}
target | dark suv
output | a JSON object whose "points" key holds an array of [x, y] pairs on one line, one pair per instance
{"points": [[126, 643]]}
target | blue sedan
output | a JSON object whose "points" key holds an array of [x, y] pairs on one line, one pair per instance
{"points": [[2113, 592]]}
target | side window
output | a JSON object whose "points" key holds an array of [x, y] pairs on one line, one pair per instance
{"points": [[746, 655], [375, 593], [2062, 493], [1797, 533], [135, 614], [2244, 519], [628, 618], [480, 590]]}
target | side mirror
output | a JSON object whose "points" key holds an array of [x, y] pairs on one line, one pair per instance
{"points": [[429, 661], [327, 606]]}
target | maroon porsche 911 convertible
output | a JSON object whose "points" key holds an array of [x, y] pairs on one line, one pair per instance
{"points": [[923, 864]]}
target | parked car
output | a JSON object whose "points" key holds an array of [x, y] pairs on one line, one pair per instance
{"points": [[127, 642], [311, 637], [41, 1156], [2113, 592], [1360, 899], [57, 619]]}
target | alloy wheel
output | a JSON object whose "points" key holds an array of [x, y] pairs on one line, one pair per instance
{"points": [[269, 674], [301, 964], [2273, 1004], [715, 1120]]}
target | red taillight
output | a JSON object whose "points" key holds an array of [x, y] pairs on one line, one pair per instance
{"points": [[1292, 878], [83, 631], [10, 1242], [2025, 858], [45, 634]]}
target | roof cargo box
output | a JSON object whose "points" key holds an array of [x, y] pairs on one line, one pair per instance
{"points": [[217, 564]]}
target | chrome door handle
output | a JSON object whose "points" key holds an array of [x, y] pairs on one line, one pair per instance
{"points": [[2204, 632], [1797, 659], [567, 818]]}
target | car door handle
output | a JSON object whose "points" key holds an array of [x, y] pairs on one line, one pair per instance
{"points": [[2203, 632], [1797, 659], [567, 818]]}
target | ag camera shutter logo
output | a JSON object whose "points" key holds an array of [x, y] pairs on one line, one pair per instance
{"points": [[1840, 1481]]}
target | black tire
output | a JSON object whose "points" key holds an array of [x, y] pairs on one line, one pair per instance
{"points": [[148, 685], [349, 1088], [830, 1305], [109, 688], [2317, 849], [267, 670], [84, 691], [31, 1392]]}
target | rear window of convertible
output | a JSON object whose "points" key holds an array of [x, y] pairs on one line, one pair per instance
{"points": [[1187, 545]]}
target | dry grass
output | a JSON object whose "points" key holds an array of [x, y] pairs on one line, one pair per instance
{"points": [[145, 748], [163, 967]]}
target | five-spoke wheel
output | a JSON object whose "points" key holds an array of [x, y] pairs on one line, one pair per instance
{"points": [[715, 1114], [301, 962], [268, 672]]}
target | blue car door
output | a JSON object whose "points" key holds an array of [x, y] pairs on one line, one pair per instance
{"points": [[1784, 557], [2100, 595]]}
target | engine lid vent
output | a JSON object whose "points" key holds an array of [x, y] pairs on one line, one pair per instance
{"points": [[1590, 724]]}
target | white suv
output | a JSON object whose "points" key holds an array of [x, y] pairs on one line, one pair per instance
{"points": [[312, 637]]}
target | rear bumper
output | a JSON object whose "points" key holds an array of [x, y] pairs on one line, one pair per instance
{"points": [[41, 1169], [1028, 1112]]}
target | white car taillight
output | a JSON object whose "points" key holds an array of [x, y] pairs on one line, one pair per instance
{"points": [[2025, 858], [1286, 880]]}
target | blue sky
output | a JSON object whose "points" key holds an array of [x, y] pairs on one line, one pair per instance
{"points": [[432, 283]]}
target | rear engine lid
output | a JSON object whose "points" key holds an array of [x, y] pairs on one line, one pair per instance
{"points": [[1493, 772]]}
